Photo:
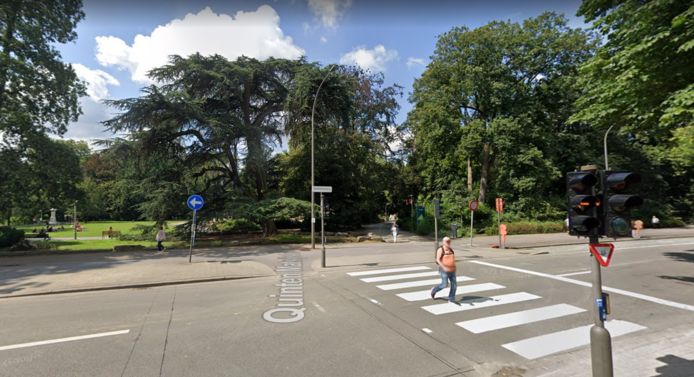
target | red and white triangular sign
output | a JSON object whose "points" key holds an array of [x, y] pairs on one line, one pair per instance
{"points": [[603, 252]]}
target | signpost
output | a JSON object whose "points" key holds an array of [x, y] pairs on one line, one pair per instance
{"points": [[322, 190], [602, 252], [474, 204], [194, 202], [437, 213]]}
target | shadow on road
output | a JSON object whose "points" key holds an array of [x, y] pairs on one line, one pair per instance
{"points": [[682, 256], [675, 366], [687, 279]]}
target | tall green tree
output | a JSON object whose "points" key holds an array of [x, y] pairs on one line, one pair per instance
{"points": [[641, 82], [38, 92], [217, 119], [354, 133], [493, 104]]}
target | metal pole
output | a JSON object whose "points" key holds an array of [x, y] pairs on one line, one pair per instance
{"points": [[313, 110], [600, 340], [472, 220], [192, 238], [498, 227], [436, 232], [74, 219], [322, 230], [607, 167]]}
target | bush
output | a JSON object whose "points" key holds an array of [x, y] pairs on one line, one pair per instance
{"points": [[236, 226], [10, 236], [528, 227]]}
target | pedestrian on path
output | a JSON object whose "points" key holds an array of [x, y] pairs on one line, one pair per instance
{"points": [[394, 230], [445, 258], [655, 221], [161, 236], [638, 226]]}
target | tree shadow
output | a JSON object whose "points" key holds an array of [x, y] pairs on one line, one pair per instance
{"points": [[685, 256], [675, 366], [687, 279]]}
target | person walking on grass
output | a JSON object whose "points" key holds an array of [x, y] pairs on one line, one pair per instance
{"points": [[161, 236], [445, 258]]}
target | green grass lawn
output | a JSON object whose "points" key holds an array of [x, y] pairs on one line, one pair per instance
{"points": [[99, 245], [94, 228]]}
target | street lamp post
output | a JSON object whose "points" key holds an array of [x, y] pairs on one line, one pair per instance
{"points": [[607, 167], [313, 110]]}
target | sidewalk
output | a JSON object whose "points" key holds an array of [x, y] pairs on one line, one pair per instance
{"points": [[50, 274], [523, 241]]}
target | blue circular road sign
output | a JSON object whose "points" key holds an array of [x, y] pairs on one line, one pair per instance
{"points": [[195, 202]]}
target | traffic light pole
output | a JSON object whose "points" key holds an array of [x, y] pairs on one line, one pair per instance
{"points": [[600, 340]]}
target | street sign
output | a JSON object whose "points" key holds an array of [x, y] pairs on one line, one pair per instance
{"points": [[474, 204], [195, 202], [602, 252], [499, 205], [325, 189]]}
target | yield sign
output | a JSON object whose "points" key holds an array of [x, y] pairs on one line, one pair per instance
{"points": [[603, 252]]}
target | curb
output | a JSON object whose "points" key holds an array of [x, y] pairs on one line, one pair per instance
{"points": [[131, 286]]}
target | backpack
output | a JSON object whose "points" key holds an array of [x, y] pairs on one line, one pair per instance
{"points": [[437, 251]]}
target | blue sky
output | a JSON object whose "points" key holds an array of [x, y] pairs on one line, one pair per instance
{"points": [[119, 41]]}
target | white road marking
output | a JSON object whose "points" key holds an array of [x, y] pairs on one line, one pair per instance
{"points": [[388, 271], [426, 330], [462, 289], [543, 345], [477, 303], [660, 245], [586, 284], [374, 301], [575, 273], [418, 283], [518, 318], [61, 340], [319, 307], [399, 277]]}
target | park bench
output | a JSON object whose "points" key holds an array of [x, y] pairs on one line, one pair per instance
{"points": [[110, 233]]}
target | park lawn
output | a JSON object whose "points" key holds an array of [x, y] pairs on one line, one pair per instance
{"points": [[99, 245], [94, 228]]}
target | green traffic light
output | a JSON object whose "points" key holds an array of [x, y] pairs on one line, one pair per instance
{"points": [[619, 226]]}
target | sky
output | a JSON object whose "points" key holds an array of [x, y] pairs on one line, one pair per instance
{"points": [[119, 41]]}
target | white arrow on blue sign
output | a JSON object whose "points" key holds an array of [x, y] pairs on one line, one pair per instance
{"points": [[195, 202]]}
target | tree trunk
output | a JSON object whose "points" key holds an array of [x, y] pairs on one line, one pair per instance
{"points": [[469, 176], [485, 172], [269, 228]]}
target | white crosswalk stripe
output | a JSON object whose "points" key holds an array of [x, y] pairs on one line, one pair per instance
{"points": [[543, 345], [463, 289], [388, 271], [503, 321], [418, 283], [399, 277], [481, 302]]}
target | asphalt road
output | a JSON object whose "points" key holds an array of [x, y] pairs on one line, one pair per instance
{"points": [[520, 313]]}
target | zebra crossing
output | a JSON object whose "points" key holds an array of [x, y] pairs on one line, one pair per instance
{"points": [[406, 283]]}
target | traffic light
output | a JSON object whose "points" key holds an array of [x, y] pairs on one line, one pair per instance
{"points": [[582, 203], [617, 188]]}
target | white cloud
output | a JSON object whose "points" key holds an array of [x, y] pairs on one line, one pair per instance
{"points": [[89, 127], [329, 11], [323, 40], [371, 60], [254, 34], [412, 61], [97, 81]]}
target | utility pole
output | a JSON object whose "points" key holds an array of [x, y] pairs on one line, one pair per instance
{"points": [[313, 110], [74, 219]]}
